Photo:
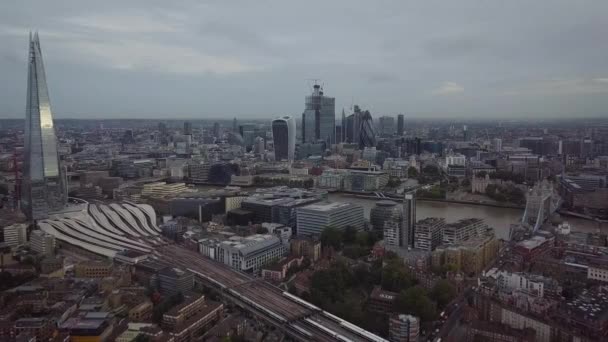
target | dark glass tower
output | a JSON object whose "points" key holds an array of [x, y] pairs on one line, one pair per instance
{"points": [[367, 135], [284, 136], [409, 218], [319, 117], [44, 184], [400, 124]]}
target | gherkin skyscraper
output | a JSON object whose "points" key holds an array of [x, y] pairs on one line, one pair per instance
{"points": [[43, 186]]}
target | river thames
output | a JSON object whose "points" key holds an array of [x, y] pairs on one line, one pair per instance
{"points": [[498, 218]]}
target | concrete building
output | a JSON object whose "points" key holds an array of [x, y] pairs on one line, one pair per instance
{"points": [[93, 269], [404, 328], [429, 233], [42, 243], [15, 234], [312, 219], [463, 230]]}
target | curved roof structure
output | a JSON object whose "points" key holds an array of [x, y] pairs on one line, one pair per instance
{"points": [[106, 229]]}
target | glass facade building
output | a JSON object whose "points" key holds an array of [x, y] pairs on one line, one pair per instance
{"points": [[44, 184], [319, 117], [284, 136]]}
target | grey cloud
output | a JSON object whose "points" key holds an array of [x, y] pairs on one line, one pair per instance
{"points": [[151, 58]]}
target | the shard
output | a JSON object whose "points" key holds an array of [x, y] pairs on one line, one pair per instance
{"points": [[44, 186]]}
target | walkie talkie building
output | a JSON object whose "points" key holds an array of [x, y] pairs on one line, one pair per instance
{"points": [[43, 188]]}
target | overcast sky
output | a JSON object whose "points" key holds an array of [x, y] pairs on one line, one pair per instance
{"points": [[254, 59]]}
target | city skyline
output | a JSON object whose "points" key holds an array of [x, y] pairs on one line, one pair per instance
{"points": [[499, 62]]}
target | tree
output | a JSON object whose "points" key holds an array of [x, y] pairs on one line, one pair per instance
{"points": [[415, 301], [443, 292], [331, 237], [328, 286], [141, 338], [261, 230], [349, 235], [354, 251], [395, 277], [412, 172]]}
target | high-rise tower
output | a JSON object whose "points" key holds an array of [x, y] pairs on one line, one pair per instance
{"points": [[400, 124], [284, 136], [409, 218], [44, 184], [319, 117]]}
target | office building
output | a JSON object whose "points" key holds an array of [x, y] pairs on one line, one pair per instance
{"points": [[172, 280], [187, 128], [384, 211], [42, 243], [249, 253], [386, 125], [15, 234], [429, 233], [400, 124], [284, 137], [409, 218], [216, 130], [367, 134], [44, 184], [319, 117], [404, 328], [312, 219], [343, 128]]}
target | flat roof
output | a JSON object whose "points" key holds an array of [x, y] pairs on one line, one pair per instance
{"points": [[329, 206]]}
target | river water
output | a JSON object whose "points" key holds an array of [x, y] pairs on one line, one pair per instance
{"points": [[498, 218]]}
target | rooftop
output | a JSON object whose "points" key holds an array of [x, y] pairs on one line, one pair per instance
{"points": [[329, 206]]}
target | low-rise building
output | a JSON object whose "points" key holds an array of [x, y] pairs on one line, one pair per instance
{"points": [[278, 271], [381, 301], [307, 247], [93, 269]]}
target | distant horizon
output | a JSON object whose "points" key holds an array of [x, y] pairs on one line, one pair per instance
{"points": [[523, 117], [449, 60]]}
